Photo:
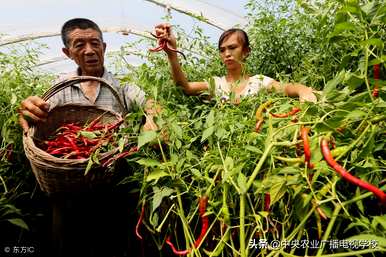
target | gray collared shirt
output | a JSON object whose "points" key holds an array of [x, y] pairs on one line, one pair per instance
{"points": [[131, 95]]}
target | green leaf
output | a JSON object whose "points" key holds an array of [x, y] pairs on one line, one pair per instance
{"points": [[288, 170], [277, 190], [146, 137], [331, 85], [343, 26], [13, 99], [177, 130], [210, 119], [228, 163], [253, 149], [19, 222], [121, 144], [242, 182], [373, 42], [159, 194], [368, 147], [356, 115], [177, 143], [196, 173], [87, 134], [379, 220], [89, 165], [368, 8], [156, 174], [149, 162], [207, 133], [221, 133]]}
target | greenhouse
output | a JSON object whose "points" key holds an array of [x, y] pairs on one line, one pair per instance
{"points": [[193, 128]]}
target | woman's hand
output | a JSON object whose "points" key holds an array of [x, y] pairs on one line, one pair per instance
{"points": [[164, 32], [307, 95], [32, 109]]}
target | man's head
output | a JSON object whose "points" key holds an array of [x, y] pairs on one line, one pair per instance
{"points": [[84, 44]]}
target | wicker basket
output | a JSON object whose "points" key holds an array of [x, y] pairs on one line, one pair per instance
{"points": [[67, 175]]}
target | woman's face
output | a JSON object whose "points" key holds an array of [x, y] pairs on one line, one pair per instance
{"points": [[232, 52]]}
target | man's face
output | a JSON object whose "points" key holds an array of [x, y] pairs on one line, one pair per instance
{"points": [[87, 49]]}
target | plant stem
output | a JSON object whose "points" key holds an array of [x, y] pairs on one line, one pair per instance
{"points": [[301, 224], [183, 219], [354, 144], [243, 252], [4, 185], [262, 160], [258, 166], [366, 56]]}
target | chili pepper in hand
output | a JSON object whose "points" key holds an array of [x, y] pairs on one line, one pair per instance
{"points": [[204, 219], [306, 147], [376, 77], [163, 45], [174, 249], [347, 176], [288, 114]]}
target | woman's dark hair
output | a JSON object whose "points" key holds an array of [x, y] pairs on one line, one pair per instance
{"points": [[78, 23], [243, 37]]}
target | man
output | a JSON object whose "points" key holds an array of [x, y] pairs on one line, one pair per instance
{"points": [[94, 223]]}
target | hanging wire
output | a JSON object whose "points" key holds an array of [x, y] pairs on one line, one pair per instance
{"points": [[221, 8]]}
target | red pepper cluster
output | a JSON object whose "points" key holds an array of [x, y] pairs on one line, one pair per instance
{"points": [[163, 45], [71, 141]]}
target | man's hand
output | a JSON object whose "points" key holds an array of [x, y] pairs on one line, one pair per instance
{"points": [[32, 109]]}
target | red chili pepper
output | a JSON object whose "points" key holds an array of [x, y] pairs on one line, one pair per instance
{"points": [[347, 176], [321, 213], [267, 202], [259, 114], [175, 251], [94, 122], [204, 219], [67, 143], [258, 126], [119, 156], [140, 222], [163, 45], [376, 78], [285, 115], [306, 147], [115, 125], [160, 47], [61, 151]]}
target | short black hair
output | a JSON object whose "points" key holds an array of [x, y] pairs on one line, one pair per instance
{"points": [[78, 23], [242, 36]]}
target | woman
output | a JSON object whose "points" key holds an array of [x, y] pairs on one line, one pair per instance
{"points": [[234, 49]]}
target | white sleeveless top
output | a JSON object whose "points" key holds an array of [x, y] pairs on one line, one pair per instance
{"points": [[254, 85]]}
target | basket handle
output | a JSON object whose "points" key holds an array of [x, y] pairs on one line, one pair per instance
{"points": [[77, 79]]}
